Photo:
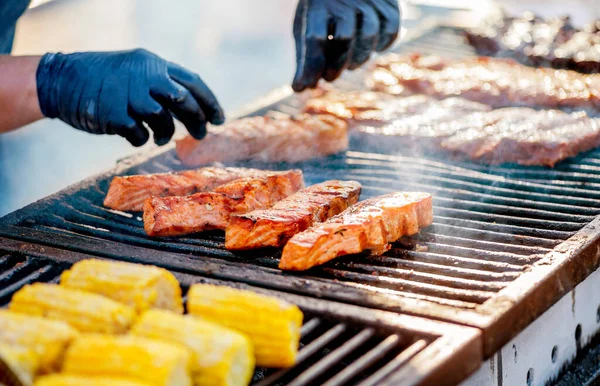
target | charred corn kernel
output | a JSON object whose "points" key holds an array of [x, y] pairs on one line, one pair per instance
{"points": [[272, 325], [154, 361], [17, 361], [76, 380], [85, 311], [48, 339], [139, 286], [220, 356]]}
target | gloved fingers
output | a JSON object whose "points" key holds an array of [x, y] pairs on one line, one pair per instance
{"points": [[133, 131], [145, 108], [339, 49], [181, 103], [389, 17], [311, 26], [367, 35], [201, 93]]}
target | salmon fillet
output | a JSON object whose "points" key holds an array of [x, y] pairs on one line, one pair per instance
{"points": [[370, 225], [273, 227], [280, 138], [496, 82], [128, 193], [177, 215]]}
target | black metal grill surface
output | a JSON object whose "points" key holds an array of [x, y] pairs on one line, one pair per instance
{"points": [[340, 344], [495, 230]]}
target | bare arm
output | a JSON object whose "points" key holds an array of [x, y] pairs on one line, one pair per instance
{"points": [[18, 92]]}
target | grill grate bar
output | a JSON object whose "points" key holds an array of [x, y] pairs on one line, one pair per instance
{"points": [[465, 213], [453, 261], [39, 275], [380, 263], [332, 358], [395, 363], [504, 181], [9, 260], [516, 231], [306, 352], [365, 361], [516, 252], [511, 211], [528, 243], [476, 193], [435, 290], [426, 277], [474, 253], [309, 326]]}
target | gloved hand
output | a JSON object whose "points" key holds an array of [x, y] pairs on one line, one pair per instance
{"points": [[116, 92], [332, 35]]}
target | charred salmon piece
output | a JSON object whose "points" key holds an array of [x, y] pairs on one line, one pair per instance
{"points": [[278, 138], [273, 227], [176, 215], [128, 193], [370, 225]]}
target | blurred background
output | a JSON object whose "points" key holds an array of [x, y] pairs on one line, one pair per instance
{"points": [[242, 49]]}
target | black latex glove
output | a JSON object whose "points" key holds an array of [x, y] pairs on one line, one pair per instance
{"points": [[357, 28], [116, 92]]}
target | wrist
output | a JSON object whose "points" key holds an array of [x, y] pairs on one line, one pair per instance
{"points": [[47, 75], [19, 104]]}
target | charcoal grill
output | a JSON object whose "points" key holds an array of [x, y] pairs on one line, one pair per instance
{"points": [[507, 242], [340, 343]]}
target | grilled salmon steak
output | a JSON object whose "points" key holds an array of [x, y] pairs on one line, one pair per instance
{"points": [[273, 227], [371, 224], [497, 82], [280, 138], [180, 215], [128, 193]]}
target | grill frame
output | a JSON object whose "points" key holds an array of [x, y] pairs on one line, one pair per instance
{"points": [[551, 274], [444, 353]]}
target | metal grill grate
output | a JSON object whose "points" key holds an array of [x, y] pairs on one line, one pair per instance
{"points": [[507, 241], [340, 344]]}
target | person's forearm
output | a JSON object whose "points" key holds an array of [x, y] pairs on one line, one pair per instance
{"points": [[19, 103]]}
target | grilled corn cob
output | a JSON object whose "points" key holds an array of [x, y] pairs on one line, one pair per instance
{"points": [[76, 380], [139, 286], [85, 311], [17, 361], [220, 356], [154, 361], [48, 339], [272, 325]]}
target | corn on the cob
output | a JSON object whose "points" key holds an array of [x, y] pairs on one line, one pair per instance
{"points": [[156, 362], [48, 339], [85, 311], [139, 286], [220, 356], [17, 361], [272, 325], [77, 380]]}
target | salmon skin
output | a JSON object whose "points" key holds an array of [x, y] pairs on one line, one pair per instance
{"points": [[180, 215], [128, 193], [273, 227], [279, 138], [370, 225]]}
